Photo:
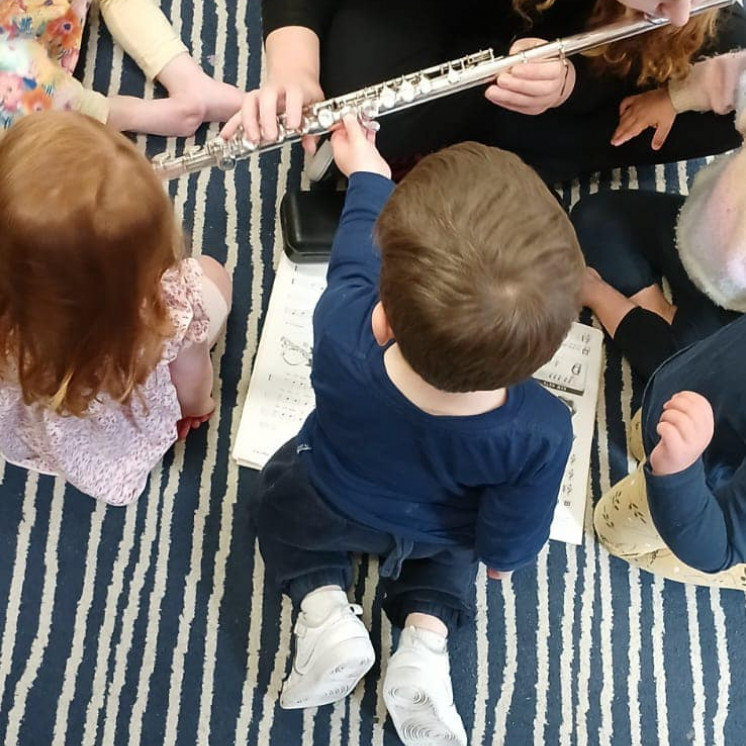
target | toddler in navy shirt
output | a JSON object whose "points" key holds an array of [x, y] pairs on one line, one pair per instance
{"points": [[430, 444]]}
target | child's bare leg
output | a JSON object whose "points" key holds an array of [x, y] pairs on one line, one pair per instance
{"points": [[606, 302], [652, 299]]}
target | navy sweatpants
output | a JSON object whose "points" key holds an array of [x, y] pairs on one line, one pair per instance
{"points": [[306, 544]]}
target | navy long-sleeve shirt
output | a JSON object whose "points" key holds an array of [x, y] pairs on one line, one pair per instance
{"points": [[701, 512], [489, 481]]}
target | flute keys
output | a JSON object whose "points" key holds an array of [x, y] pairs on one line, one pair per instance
{"points": [[387, 98], [425, 86], [370, 109], [325, 118], [407, 92], [161, 159], [453, 76], [226, 163]]}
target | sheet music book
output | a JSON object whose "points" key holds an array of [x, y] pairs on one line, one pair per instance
{"points": [[280, 396]]}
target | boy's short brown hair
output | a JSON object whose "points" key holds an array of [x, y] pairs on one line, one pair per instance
{"points": [[481, 270]]}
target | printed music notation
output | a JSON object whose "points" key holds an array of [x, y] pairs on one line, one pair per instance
{"points": [[280, 396], [572, 375]]}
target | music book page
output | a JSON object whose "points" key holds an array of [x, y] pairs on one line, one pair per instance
{"points": [[280, 396]]}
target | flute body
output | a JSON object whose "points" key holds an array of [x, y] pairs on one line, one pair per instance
{"points": [[405, 91]]}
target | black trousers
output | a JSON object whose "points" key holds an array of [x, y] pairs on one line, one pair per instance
{"points": [[629, 238], [370, 42], [306, 544]]}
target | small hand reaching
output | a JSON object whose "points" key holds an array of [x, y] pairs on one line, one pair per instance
{"points": [[649, 109], [686, 427], [532, 87], [354, 149]]}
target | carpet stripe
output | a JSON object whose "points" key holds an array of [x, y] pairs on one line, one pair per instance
{"points": [[507, 688], [483, 651], [82, 615], [723, 667], [46, 609], [10, 628]]}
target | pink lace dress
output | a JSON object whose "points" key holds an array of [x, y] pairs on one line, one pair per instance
{"points": [[109, 453]]}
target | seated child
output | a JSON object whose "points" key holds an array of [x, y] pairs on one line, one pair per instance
{"points": [[682, 514], [430, 444], [698, 243], [39, 47], [105, 327]]}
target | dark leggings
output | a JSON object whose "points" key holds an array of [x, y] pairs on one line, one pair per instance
{"points": [[628, 237], [370, 42]]}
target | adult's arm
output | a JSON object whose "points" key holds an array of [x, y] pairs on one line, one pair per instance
{"points": [[311, 14], [705, 529]]}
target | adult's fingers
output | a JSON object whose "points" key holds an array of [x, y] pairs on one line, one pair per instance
{"points": [[231, 126], [293, 106], [268, 104], [536, 87], [516, 101], [548, 70], [250, 117]]}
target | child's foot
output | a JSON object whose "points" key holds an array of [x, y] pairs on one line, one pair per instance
{"points": [[418, 693], [331, 656]]}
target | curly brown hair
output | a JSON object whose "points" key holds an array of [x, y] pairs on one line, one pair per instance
{"points": [[652, 58], [86, 232]]}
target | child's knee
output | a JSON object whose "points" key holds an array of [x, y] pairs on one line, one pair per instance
{"points": [[216, 272]]}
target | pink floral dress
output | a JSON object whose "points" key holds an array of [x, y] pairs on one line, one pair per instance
{"points": [[39, 48], [109, 453]]}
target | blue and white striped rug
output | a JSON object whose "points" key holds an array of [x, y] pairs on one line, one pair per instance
{"points": [[152, 625]]}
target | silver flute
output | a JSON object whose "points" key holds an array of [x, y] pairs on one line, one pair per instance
{"points": [[403, 92]]}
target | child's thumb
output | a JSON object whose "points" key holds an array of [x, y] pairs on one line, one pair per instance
{"points": [[353, 128]]}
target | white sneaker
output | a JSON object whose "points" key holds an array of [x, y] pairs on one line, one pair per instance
{"points": [[330, 658], [418, 693]]}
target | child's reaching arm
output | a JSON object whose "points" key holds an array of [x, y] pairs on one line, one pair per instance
{"points": [[712, 85], [513, 521]]}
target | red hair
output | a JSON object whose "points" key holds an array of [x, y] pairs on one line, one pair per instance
{"points": [[86, 232], [653, 57]]}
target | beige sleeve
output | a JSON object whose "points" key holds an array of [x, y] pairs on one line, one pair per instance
{"points": [[142, 30], [93, 104], [710, 86]]}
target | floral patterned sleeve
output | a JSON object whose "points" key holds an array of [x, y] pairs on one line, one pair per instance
{"points": [[182, 293]]}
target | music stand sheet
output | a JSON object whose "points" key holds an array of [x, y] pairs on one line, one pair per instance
{"points": [[280, 396]]}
